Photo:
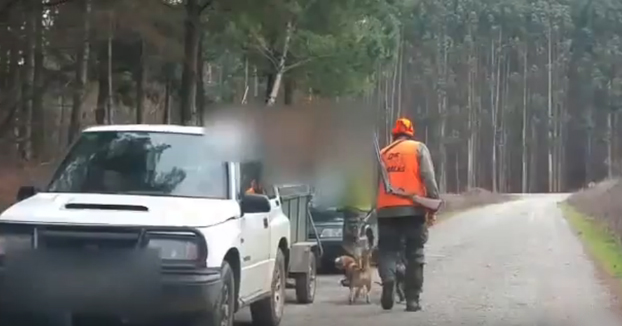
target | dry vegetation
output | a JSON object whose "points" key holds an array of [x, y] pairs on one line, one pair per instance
{"points": [[602, 202], [14, 176], [472, 198]]}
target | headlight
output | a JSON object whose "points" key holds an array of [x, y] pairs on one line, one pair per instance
{"points": [[331, 233], [176, 249], [14, 241]]}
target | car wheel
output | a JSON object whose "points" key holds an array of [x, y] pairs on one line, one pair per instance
{"points": [[224, 311], [305, 283], [269, 311]]}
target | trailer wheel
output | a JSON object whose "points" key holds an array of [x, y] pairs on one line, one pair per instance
{"points": [[306, 283]]}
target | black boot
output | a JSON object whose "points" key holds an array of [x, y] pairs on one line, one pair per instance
{"points": [[388, 295], [413, 305]]}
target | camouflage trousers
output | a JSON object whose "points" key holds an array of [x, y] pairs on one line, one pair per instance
{"points": [[407, 236]]}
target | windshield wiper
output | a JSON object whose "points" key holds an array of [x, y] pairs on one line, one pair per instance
{"points": [[145, 193]]}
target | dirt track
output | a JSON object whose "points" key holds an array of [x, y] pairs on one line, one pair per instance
{"points": [[516, 263]]}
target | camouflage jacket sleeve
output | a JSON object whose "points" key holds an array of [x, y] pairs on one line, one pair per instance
{"points": [[426, 169]]}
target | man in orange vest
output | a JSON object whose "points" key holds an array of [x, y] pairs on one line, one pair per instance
{"points": [[410, 169]]}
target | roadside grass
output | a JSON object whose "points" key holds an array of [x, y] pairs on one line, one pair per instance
{"points": [[601, 243]]}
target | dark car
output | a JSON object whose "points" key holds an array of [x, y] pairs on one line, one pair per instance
{"points": [[329, 226]]}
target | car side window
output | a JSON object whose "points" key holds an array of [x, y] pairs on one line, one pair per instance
{"points": [[253, 181]]}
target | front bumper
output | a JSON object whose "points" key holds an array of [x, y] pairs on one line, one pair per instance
{"points": [[332, 248], [172, 293]]}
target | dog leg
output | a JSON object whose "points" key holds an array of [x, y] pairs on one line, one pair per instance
{"points": [[351, 298], [357, 294], [399, 287], [367, 291]]}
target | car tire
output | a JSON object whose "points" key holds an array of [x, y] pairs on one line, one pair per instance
{"points": [[223, 312], [269, 311], [306, 283]]}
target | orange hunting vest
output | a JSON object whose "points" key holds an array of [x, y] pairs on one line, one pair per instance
{"points": [[400, 159]]}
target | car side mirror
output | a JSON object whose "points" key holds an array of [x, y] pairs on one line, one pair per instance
{"points": [[252, 203], [26, 192]]}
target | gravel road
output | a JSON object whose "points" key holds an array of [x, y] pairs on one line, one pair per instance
{"points": [[516, 263]]}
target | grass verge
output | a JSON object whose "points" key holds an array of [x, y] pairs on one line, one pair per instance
{"points": [[600, 242]]}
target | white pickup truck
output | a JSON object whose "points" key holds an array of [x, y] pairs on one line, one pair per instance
{"points": [[141, 223]]}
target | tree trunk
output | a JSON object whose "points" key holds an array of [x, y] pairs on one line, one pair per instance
{"points": [[494, 99], [5, 37], [109, 97], [140, 82], [189, 75], [442, 112], [246, 81], [200, 114], [37, 117], [28, 52], [549, 120], [471, 125], [11, 102], [82, 58], [288, 91], [524, 152], [102, 93], [400, 77], [503, 175], [61, 118], [396, 67], [280, 68], [533, 166], [166, 119], [255, 82]]}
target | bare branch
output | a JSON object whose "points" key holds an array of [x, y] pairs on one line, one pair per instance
{"points": [[6, 6], [304, 62], [263, 48], [206, 5], [55, 3]]}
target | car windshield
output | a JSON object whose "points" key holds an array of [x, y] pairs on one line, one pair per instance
{"points": [[141, 163], [326, 215]]}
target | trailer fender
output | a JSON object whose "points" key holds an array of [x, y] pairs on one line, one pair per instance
{"points": [[300, 255]]}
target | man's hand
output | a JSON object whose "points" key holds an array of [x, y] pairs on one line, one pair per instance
{"points": [[431, 219]]}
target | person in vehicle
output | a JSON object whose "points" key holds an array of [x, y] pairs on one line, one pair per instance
{"points": [[410, 169], [255, 188]]}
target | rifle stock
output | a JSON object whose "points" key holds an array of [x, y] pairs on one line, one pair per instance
{"points": [[430, 204]]}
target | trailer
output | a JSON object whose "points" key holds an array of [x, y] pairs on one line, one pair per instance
{"points": [[305, 251]]}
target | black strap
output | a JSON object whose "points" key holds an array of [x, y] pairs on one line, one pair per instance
{"points": [[391, 146]]}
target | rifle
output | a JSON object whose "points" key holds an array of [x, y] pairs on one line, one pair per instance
{"points": [[430, 204]]}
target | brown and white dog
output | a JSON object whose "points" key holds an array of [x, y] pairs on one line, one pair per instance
{"points": [[359, 274]]}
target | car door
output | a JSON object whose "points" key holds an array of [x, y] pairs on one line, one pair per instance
{"points": [[255, 242]]}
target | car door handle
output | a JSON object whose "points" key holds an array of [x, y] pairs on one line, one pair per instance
{"points": [[265, 222]]}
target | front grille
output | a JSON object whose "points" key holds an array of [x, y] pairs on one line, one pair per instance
{"points": [[72, 237]]}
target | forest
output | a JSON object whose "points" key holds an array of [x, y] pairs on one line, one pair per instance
{"points": [[509, 95]]}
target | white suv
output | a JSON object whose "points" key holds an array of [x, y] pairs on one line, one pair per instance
{"points": [[142, 223]]}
